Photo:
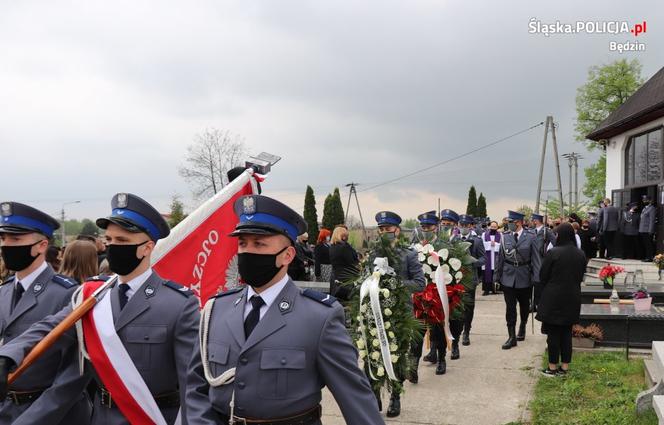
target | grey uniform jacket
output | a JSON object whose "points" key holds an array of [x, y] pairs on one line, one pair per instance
{"points": [[412, 275], [477, 251], [629, 223], [648, 218], [57, 370], [543, 238], [298, 347], [610, 219], [158, 327], [518, 264]]}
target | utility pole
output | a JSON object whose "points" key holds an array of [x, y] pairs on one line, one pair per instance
{"points": [[352, 192], [64, 235], [573, 161], [549, 126]]}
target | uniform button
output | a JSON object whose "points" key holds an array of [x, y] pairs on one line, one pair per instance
{"points": [[145, 337], [283, 360], [244, 360], [240, 385]]}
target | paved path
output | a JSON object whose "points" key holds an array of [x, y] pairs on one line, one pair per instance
{"points": [[486, 386]]}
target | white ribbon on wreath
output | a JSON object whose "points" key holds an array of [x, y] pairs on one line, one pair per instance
{"points": [[371, 287]]}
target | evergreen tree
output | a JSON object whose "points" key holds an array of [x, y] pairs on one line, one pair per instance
{"points": [[177, 211], [327, 213], [89, 228], [471, 209], [481, 206], [310, 214], [338, 208]]}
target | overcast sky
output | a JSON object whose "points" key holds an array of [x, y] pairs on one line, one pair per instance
{"points": [[100, 97]]}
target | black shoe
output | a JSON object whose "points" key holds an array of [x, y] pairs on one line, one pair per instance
{"points": [[441, 367], [550, 373], [455, 351], [511, 341], [466, 339], [394, 409], [431, 357], [521, 336], [485, 293], [561, 372]]}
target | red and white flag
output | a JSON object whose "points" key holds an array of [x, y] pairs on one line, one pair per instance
{"points": [[199, 253]]}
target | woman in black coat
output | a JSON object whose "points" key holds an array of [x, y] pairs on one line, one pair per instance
{"points": [[561, 275], [344, 262]]}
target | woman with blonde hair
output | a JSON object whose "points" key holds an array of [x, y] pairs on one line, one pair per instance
{"points": [[344, 262], [80, 260]]}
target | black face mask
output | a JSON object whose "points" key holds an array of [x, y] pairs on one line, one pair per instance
{"points": [[493, 231], [122, 258], [18, 257], [258, 269]]}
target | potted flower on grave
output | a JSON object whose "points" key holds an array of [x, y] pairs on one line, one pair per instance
{"points": [[608, 273], [659, 261], [586, 336], [642, 300]]}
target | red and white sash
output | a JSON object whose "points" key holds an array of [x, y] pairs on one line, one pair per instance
{"points": [[114, 365]]}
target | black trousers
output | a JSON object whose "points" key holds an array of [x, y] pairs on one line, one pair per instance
{"points": [[437, 335], [647, 246], [608, 242], [630, 247], [514, 296], [537, 287], [559, 342], [470, 312]]}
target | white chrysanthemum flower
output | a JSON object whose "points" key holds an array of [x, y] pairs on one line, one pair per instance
{"points": [[395, 358], [393, 347], [360, 343], [444, 253], [455, 263], [390, 334], [388, 325], [447, 278], [426, 269], [386, 292], [375, 355], [380, 371], [373, 332], [363, 308], [375, 343], [387, 312], [363, 354], [359, 318]]}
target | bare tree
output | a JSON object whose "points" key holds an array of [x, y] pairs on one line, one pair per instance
{"points": [[209, 157]]}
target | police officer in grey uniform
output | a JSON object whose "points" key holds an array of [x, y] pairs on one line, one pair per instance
{"points": [[543, 237], [32, 293], [517, 266], [412, 276], [647, 228], [477, 251], [268, 348], [156, 320]]}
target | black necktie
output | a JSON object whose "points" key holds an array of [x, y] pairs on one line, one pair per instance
{"points": [[254, 315], [516, 237], [123, 288], [18, 293]]}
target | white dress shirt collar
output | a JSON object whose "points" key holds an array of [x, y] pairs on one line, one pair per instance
{"points": [[136, 282], [29, 279], [269, 296]]}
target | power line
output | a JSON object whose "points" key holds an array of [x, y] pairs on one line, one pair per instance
{"points": [[454, 158]]}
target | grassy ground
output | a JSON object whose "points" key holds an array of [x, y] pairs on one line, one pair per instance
{"points": [[601, 388]]}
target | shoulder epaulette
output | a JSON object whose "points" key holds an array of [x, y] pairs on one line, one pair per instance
{"points": [[64, 281], [7, 280], [179, 288], [229, 292], [322, 298]]}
